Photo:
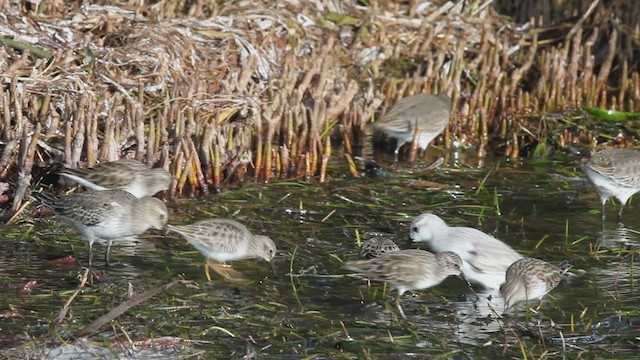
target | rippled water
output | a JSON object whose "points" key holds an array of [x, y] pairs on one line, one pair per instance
{"points": [[542, 209]]}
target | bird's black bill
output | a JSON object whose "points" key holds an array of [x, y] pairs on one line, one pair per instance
{"points": [[461, 276], [273, 268]]}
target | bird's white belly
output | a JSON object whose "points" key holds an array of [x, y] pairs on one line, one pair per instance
{"points": [[221, 256], [609, 188], [489, 279], [136, 189], [537, 290]]}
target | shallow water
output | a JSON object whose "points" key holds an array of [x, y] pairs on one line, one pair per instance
{"points": [[544, 209]]}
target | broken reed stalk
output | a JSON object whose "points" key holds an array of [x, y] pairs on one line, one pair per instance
{"points": [[201, 182], [78, 124], [348, 150], [193, 178], [307, 166], [53, 328], [179, 174], [8, 139], [124, 307], [188, 173], [314, 141], [515, 150], [91, 135], [6, 116], [484, 127], [6, 161], [268, 161], [285, 161], [326, 155], [277, 164], [259, 149], [414, 143], [206, 149], [28, 140], [217, 167], [152, 146], [138, 117], [28, 150]]}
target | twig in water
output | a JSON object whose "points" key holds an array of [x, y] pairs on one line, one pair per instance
{"points": [[122, 308], [65, 308]]}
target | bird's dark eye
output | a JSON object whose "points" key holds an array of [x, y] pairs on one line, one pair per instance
{"points": [[414, 229]]}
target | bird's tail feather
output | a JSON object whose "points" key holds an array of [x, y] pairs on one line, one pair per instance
{"points": [[47, 200]]}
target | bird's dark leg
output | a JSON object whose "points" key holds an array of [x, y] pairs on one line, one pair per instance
{"points": [[399, 306], [470, 286], [106, 256], [273, 267], [620, 212], [90, 252], [206, 270], [396, 155]]}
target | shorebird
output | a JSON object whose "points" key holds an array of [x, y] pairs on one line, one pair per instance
{"points": [[377, 246], [430, 112], [485, 258], [408, 270], [128, 175], [225, 240], [530, 279], [614, 173], [109, 215]]}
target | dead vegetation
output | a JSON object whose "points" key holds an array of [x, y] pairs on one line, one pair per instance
{"points": [[215, 90]]}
